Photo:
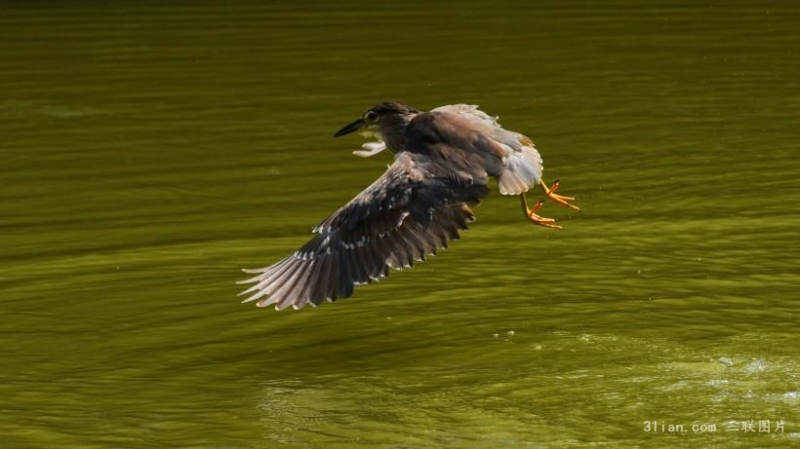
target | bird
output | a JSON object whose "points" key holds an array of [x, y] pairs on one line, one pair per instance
{"points": [[443, 159]]}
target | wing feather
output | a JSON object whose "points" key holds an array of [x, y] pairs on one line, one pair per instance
{"points": [[410, 212]]}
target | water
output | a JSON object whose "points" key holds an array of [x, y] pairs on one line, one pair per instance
{"points": [[150, 151]]}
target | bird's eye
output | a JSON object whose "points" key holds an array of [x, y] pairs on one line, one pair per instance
{"points": [[370, 116]]}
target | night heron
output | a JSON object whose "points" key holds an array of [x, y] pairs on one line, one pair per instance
{"points": [[442, 164]]}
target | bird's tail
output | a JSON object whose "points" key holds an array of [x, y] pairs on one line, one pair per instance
{"points": [[522, 168]]}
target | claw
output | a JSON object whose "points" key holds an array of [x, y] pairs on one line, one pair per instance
{"points": [[534, 217], [560, 199]]}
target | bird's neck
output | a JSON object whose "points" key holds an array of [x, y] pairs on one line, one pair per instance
{"points": [[394, 132], [395, 141]]}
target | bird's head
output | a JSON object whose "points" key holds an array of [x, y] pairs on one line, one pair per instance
{"points": [[386, 121]]}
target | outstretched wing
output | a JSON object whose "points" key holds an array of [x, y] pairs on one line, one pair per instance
{"points": [[521, 162], [410, 212]]}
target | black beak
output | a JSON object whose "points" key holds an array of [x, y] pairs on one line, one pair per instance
{"points": [[353, 127]]}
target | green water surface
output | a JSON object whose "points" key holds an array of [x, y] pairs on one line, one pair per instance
{"points": [[150, 150]]}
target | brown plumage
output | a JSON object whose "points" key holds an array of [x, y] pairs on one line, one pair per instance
{"points": [[443, 160]]}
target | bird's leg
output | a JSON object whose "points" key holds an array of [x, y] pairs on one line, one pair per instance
{"points": [[532, 216], [560, 199]]}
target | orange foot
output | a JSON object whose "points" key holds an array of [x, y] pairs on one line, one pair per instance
{"points": [[536, 219], [560, 199]]}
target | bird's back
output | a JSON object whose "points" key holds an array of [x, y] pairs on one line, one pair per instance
{"points": [[470, 141]]}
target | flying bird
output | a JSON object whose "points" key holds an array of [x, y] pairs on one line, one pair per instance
{"points": [[442, 163]]}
